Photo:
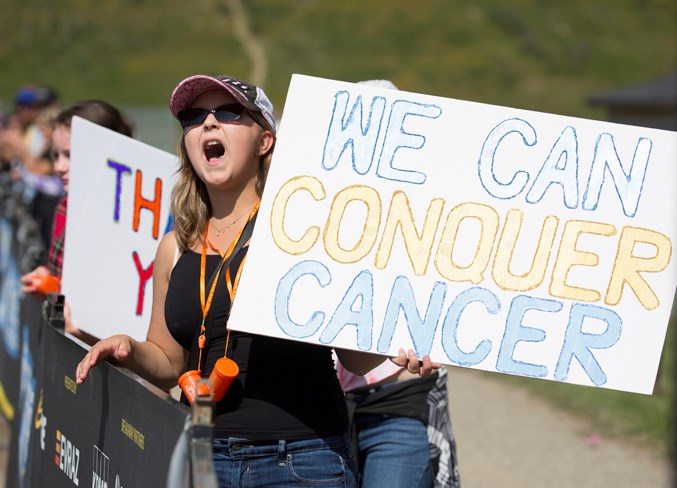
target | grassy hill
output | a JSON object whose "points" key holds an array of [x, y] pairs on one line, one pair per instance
{"points": [[547, 56], [534, 54]]}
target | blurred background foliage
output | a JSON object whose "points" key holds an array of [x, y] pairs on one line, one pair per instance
{"points": [[546, 56]]}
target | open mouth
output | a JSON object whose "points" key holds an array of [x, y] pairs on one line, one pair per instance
{"points": [[214, 151]]}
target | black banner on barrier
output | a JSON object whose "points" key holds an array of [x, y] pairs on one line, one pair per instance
{"points": [[112, 431], [21, 248], [10, 330], [26, 371]]}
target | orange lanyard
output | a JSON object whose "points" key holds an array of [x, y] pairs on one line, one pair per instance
{"points": [[206, 304], [232, 286]]}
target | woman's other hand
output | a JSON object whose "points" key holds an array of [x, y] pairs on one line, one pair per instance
{"points": [[411, 363], [116, 348]]}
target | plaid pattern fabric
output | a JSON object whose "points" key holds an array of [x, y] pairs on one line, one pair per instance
{"points": [[441, 441], [55, 255]]}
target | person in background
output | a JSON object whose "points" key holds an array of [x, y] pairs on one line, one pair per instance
{"points": [[24, 150], [37, 282], [28, 143], [41, 171], [401, 427], [400, 422], [282, 421]]}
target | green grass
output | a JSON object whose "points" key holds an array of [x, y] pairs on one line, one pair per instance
{"points": [[546, 56]]}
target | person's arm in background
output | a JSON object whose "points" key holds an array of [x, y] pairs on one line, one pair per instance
{"points": [[31, 282]]}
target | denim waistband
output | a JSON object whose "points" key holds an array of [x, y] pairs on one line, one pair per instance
{"points": [[237, 447]]}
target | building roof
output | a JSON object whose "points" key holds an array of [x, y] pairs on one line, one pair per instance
{"points": [[658, 93]]}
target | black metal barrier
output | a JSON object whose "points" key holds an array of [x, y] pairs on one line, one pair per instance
{"points": [[20, 248], [113, 431]]}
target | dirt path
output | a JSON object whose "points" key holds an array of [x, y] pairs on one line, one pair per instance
{"points": [[509, 438], [251, 45]]}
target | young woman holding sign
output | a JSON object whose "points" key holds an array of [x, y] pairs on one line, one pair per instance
{"points": [[282, 419]]}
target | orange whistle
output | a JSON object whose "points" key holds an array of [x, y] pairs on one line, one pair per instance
{"points": [[47, 284]]}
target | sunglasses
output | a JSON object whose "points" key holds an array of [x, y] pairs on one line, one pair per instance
{"points": [[196, 116]]}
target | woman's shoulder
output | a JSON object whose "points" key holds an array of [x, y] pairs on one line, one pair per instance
{"points": [[167, 243], [168, 251]]}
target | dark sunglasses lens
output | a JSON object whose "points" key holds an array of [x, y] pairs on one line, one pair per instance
{"points": [[192, 116], [226, 115], [229, 112], [196, 116]]}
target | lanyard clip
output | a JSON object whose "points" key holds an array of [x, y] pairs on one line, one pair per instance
{"points": [[202, 340]]}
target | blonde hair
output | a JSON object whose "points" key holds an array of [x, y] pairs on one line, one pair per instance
{"points": [[190, 205]]}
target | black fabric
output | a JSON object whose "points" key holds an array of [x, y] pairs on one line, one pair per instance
{"points": [[285, 389], [406, 398]]}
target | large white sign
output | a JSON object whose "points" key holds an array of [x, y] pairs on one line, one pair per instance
{"points": [[488, 237], [118, 210]]}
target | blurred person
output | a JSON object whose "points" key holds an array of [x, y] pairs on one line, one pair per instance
{"points": [[9, 126], [28, 128], [27, 140], [400, 422], [24, 150], [39, 172], [283, 420], [401, 427], [100, 113], [26, 106], [38, 133], [48, 98]]}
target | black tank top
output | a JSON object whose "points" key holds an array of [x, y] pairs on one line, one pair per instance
{"points": [[285, 389]]}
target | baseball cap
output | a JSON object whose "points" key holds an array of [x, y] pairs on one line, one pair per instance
{"points": [[249, 96], [45, 95], [25, 97]]}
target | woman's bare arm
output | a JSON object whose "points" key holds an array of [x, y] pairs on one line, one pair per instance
{"points": [[159, 359]]}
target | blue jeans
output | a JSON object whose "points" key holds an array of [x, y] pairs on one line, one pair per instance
{"points": [[314, 462], [393, 452]]}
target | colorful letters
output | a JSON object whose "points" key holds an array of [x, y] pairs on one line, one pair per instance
{"points": [[475, 248]]}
